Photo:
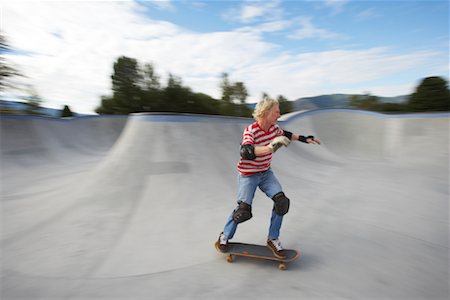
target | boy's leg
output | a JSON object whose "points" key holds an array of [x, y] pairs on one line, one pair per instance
{"points": [[270, 186], [230, 227], [275, 226], [246, 192]]}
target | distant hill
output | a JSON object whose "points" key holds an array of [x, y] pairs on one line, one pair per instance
{"points": [[323, 101], [332, 101], [336, 101]]}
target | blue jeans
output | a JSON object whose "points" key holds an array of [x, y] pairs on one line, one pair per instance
{"points": [[268, 183]]}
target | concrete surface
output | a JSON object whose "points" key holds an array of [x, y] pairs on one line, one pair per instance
{"points": [[129, 208]]}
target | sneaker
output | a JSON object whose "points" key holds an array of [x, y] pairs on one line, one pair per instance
{"points": [[276, 248], [222, 243]]}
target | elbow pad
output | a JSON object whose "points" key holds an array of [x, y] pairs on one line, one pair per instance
{"points": [[248, 152]]}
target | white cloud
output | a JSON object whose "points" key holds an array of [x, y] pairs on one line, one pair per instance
{"points": [[336, 5], [307, 30], [163, 4], [310, 74], [273, 26], [255, 11], [251, 12], [367, 14]]}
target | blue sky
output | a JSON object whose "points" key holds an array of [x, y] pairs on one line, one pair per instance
{"points": [[291, 48]]}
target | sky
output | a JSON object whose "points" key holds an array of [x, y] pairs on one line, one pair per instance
{"points": [[66, 49]]}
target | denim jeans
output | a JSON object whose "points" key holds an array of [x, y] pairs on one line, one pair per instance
{"points": [[268, 183]]}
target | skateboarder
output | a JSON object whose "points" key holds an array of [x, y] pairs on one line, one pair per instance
{"points": [[260, 140]]}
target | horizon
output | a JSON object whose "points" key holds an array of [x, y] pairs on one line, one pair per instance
{"points": [[250, 104]]}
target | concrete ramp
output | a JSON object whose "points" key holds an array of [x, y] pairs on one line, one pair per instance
{"points": [[129, 208]]}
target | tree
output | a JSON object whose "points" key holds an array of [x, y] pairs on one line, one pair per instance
{"points": [[227, 89], [108, 106], [432, 94], [66, 112], [152, 96], [127, 87], [150, 78], [6, 70], [392, 108], [176, 97], [240, 92], [205, 104], [33, 103], [283, 102], [365, 102], [285, 105], [126, 84], [233, 97], [233, 92]]}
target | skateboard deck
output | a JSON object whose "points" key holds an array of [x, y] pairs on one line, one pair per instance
{"points": [[257, 251]]}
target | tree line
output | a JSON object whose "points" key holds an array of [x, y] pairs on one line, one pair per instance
{"points": [[138, 88], [431, 95]]}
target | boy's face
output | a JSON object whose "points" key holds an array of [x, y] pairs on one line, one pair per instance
{"points": [[273, 114]]}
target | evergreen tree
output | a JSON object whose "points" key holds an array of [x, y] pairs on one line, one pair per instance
{"points": [[285, 105], [233, 98], [432, 94], [126, 84], [227, 89], [176, 96], [33, 103], [152, 96], [6, 70], [66, 112]]}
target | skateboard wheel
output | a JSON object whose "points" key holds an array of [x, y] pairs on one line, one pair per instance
{"points": [[230, 258], [282, 267]]}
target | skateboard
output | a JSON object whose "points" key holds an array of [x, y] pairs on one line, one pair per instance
{"points": [[257, 251]]}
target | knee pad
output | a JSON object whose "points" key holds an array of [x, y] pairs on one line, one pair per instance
{"points": [[242, 213], [281, 204]]}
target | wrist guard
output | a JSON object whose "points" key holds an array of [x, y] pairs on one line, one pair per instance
{"points": [[303, 139]]}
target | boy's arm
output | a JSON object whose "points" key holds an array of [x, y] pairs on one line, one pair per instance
{"points": [[305, 139]]}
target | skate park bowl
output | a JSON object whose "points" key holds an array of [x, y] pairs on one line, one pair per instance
{"points": [[130, 208]]}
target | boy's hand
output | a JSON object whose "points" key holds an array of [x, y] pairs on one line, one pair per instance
{"points": [[278, 142]]}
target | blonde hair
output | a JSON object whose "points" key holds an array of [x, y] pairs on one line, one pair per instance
{"points": [[263, 106]]}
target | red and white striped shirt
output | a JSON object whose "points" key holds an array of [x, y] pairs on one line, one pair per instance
{"points": [[254, 135]]}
